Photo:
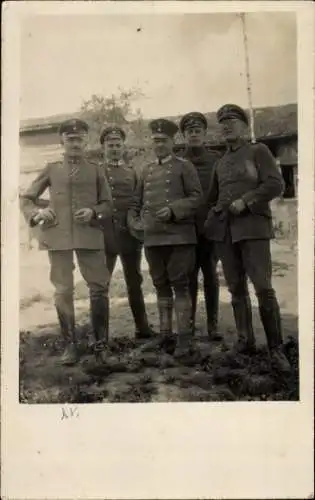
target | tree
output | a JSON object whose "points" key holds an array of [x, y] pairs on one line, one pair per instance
{"points": [[117, 109]]}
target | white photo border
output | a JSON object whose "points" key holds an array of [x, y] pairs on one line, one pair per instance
{"points": [[160, 450]]}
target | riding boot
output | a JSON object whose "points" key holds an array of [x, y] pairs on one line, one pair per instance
{"points": [[244, 325], [65, 311], [212, 308], [137, 306], [100, 325], [184, 326], [271, 320], [193, 289], [165, 308]]}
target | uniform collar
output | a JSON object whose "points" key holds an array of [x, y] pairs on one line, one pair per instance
{"points": [[73, 160], [235, 147], [195, 151], [115, 163], [163, 160]]}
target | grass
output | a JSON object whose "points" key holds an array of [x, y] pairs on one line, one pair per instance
{"points": [[132, 374]]}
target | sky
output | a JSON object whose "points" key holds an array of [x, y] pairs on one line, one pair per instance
{"points": [[180, 62]]}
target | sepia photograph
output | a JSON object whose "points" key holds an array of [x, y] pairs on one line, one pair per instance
{"points": [[158, 208], [157, 247]]}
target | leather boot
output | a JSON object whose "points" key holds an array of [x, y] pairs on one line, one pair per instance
{"points": [[168, 339], [212, 308], [193, 289], [100, 325], [137, 306], [184, 326], [271, 320], [66, 317], [244, 325]]}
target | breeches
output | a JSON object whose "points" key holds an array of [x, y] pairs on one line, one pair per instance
{"points": [[92, 264], [171, 268], [206, 260], [131, 264], [248, 258]]}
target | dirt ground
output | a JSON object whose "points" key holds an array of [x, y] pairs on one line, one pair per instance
{"points": [[139, 372]]}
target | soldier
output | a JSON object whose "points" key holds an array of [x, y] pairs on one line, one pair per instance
{"points": [[118, 240], [79, 198], [194, 126], [166, 199], [240, 221]]}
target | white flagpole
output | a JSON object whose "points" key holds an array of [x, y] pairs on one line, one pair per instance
{"points": [[248, 80]]}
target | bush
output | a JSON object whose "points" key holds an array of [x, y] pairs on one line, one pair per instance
{"points": [[118, 109]]}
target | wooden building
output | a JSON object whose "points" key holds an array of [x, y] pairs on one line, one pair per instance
{"points": [[274, 126]]}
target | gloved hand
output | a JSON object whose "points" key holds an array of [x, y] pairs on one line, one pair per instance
{"points": [[43, 215], [237, 207], [84, 215], [164, 214]]}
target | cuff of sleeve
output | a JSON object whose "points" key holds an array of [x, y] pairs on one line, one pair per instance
{"points": [[172, 216], [248, 199], [31, 219], [97, 214], [176, 213]]}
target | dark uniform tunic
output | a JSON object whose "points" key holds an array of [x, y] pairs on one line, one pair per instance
{"points": [[204, 162], [122, 179], [72, 186], [248, 172], [169, 246], [240, 221]]}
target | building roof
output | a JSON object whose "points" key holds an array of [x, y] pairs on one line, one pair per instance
{"points": [[270, 122], [44, 123]]}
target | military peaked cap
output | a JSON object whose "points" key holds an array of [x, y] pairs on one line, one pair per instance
{"points": [[193, 119], [73, 127], [112, 132], [163, 127], [232, 111]]}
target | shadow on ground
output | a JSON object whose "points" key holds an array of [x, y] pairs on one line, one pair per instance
{"points": [[141, 373]]}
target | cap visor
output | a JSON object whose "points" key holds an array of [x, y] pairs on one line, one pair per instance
{"points": [[111, 137], [74, 134], [195, 125], [160, 136]]}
